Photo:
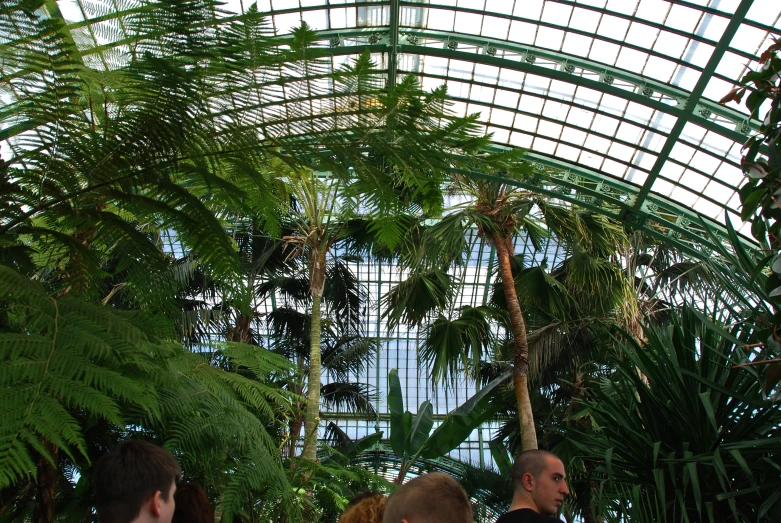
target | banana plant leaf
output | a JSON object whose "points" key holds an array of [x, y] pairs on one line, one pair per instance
{"points": [[460, 423], [420, 428]]}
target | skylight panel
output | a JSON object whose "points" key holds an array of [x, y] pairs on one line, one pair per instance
{"points": [[626, 7], [528, 9], [499, 6], [531, 104], [717, 88], [575, 44], [705, 162], [628, 132], [683, 18], [613, 27], [631, 60], [457, 89], [605, 125], [659, 69], [592, 160], [486, 73], [685, 78], [522, 32], [573, 136], [580, 118], [613, 167], [595, 3], [653, 10], [502, 117], [681, 196], [495, 27], [511, 78], [521, 140], [555, 110], [604, 52], [558, 14], [712, 27], [472, 4], [663, 187], [544, 146], [729, 174], [549, 129], [568, 152], [762, 9], [749, 39], [342, 17], [441, 19], [731, 65], [435, 65], [707, 208], [526, 123], [671, 44], [621, 152], [70, 10], [483, 94], [536, 84], [597, 144], [313, 3], [588, 97], [652, 141], [499, 135], [562, 90], [682, 152], [468, 23], [698, 53], [585, 20], [315, 19], [641, 35], [549, 38], [284, 23], [506, 98], [461, 69]]}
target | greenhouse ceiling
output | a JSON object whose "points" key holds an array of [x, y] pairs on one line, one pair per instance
{"points": [[616, 100]]}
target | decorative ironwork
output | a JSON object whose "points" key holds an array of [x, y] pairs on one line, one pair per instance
{"points": [[569, 68], [608, 78], [375, 38], [452, 44], [335, 41], [705, 112], [648, 90], [490, 50], [530, 58], [744, 128]]}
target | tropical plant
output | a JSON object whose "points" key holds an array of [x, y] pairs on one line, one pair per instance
{"points": [[410, 435], [714, 459], [761, 163], [498, 210]]}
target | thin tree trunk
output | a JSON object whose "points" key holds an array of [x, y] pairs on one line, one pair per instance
{"points": [[47, 482], [521, 359], [312, 418], [241, 332]]}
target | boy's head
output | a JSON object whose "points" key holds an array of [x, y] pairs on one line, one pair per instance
{"points": [[135, 482]]}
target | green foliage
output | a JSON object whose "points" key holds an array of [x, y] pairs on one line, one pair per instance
{"points": [[715, 457], [759, 195]]}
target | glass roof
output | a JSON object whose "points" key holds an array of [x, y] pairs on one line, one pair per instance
{"points": [[618, 96]]}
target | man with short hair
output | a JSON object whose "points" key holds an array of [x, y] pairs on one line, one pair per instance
{"points": [[135, 483], [539, 488], [430, 498]]}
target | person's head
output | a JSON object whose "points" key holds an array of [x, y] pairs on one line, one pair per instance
{"points": [[430, 498], [365, 508], [539, 481], [135, 482], [192, 505]]}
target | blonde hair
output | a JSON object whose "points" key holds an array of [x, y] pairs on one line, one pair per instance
{"points": [[368, 510]]}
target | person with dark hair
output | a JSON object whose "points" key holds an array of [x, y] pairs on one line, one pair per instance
{"points": [[192, 505], [366, 507], [430, 498], [539, 488], [135, 483]]}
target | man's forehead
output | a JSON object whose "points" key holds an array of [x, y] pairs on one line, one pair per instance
{"points": [[554, 466]]}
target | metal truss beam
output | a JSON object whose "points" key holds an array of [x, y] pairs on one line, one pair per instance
{"points": [[688, 110], [609, 80]]}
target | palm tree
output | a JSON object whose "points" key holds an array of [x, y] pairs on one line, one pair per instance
{"points": [[498, 211]]}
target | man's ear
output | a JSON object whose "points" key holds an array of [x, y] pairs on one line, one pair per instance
{"points": [[528, 481], [154, 503]]}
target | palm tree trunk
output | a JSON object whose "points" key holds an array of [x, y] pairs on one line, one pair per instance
{"points": [[312, 419], [504, 247]]}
